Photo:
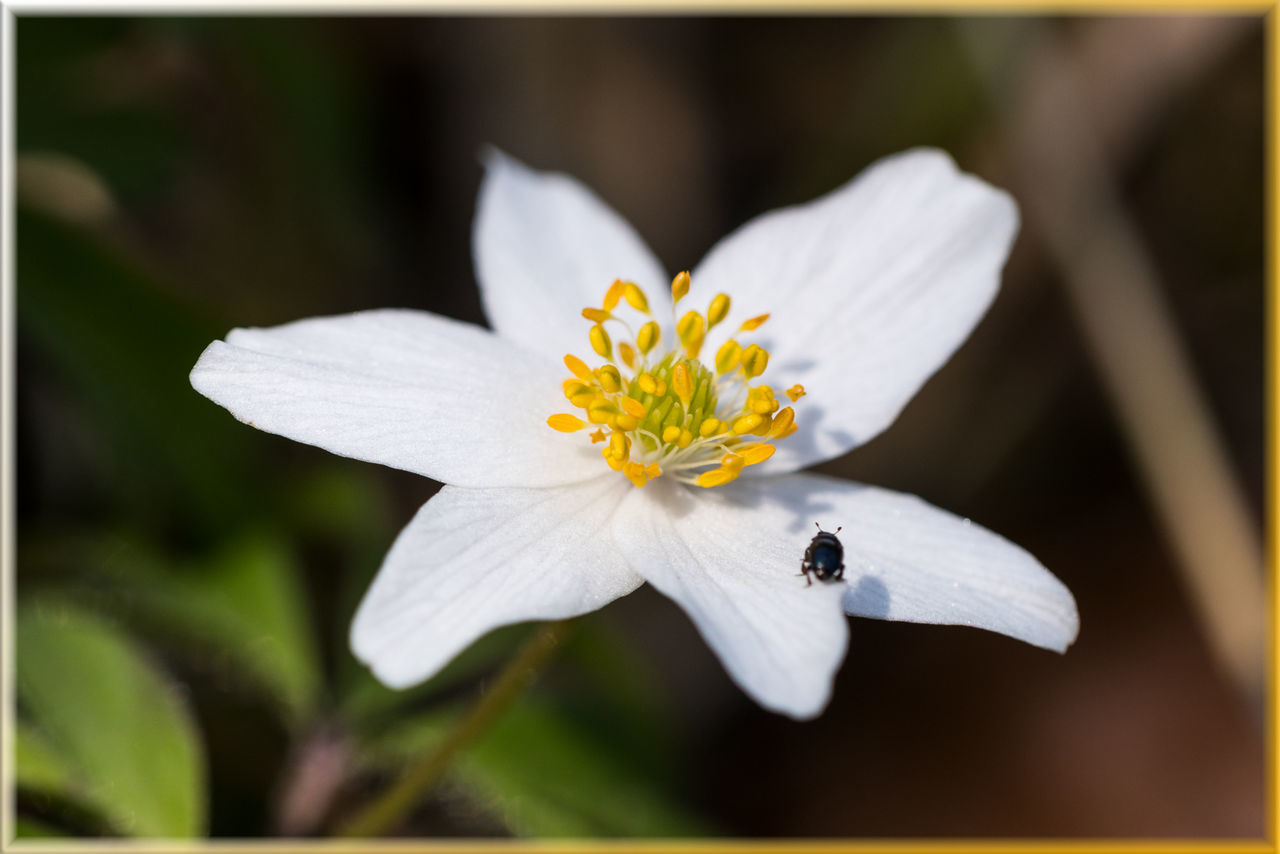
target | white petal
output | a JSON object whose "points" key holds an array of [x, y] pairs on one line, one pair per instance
{"points": [[871, 288], [476, 559], [731, 565], [907, 560], [408, 389], [545, 248]]}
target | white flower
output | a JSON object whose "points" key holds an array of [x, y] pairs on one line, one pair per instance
{"points": [[868, 290]]}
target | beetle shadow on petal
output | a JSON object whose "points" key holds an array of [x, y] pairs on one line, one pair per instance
{"points": [[869, 597]]}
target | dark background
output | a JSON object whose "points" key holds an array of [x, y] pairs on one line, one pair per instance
{"points": [[178, 177]]}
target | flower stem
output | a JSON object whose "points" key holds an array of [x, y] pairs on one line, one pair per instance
{"points": [[391, 806]]}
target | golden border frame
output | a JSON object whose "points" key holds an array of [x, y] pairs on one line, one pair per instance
{"points": [[1268, 10]]}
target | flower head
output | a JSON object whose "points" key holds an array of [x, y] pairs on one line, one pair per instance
{"points": [[617, 427]]}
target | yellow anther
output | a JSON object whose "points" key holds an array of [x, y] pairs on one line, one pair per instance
{"points": [[614, 294], [671, 433], [600, 341], [718, 309], [631, 406], [760, 400], [610, 378], [682, 383], [783, 422], [733, 462], [575, 387], [628, 354], [583, 398], [679, 286], [766, 422], [747, 423], [565, 423], [693, 346], [601, 411], [653, 471], [614, 463], [579, 369], [754, 454], [791, 428], [623, 421], [727, 356], [619, 445], [716, 477], [686, 438], [598, 436], [648, 336], [596, 315], [754, 360], [795, 392], [690, 327], [635, 473], [753, 323], [635, 297], [709, 428], [652, 385]]}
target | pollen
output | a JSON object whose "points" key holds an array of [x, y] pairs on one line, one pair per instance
{"points": [[657, 411]]}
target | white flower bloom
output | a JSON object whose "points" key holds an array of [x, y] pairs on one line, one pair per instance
{"points": [[866, 292]]}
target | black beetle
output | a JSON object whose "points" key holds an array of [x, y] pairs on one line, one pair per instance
{"points": [[824, 557]]}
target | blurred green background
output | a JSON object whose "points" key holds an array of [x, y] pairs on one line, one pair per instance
{"points": [[185, 585]]}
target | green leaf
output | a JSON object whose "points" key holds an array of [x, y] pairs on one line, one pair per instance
{"points": [[244, 605], [37, 766], [115, 717]]}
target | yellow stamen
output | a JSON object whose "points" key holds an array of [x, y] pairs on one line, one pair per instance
{"points": [[652, 385], [669, 405], [648, 336], [614, 463], [754, 454], [716, 477], [679, 286], [601, 411], [728, 356], [782, 422], [635, 297], [690, 327], [628, 354], [573, 387], [681, 383], [579, 369], [610, 378], [754, 360], [565, 423], [614, 294], [631, 406], [600, 341], [619, 445], [747, 423], [718, 309]]}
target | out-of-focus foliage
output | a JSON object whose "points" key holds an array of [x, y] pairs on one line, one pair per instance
{"points": [[114, 731]]}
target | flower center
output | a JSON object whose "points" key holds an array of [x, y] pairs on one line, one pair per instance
{"points": [[664, 412]]}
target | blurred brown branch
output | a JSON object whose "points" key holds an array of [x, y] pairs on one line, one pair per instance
{"points": [[1070, 115]]}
